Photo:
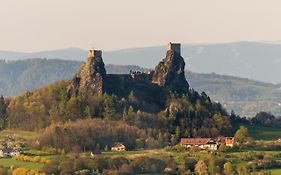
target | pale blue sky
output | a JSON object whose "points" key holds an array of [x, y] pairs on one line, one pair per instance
{"points": [[32, 25]]}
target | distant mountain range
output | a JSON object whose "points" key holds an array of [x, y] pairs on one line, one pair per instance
{"points": [[246, 97], [254, 60]]}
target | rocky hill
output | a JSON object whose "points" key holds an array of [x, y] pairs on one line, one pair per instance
{"points": [[245, 96], [159, 102]]}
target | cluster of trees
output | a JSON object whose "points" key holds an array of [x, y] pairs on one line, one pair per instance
{"points": [[118, 165], [219, 165], [182, 115], [266, 119], [92, 134], [26, 171], [259, 161], [214, 164], [20, 171], [108, 166]]}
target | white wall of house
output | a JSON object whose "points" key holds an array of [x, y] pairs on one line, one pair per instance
{"points": [[207, 146]]}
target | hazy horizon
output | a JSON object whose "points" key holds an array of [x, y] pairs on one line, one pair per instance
{"points": [[33, 25]]}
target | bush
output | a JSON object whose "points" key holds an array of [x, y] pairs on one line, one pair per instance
{"points": [[177, 148], [30, 159], [25, 171]]}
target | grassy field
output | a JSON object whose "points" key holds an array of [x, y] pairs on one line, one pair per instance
{"points": [[8, 162], [264, 133], [275, 172], [259, 133], [17, 134], [156, 153]]}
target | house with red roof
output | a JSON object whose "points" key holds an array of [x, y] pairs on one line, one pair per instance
{"points": [[229, 141], [203, 143]]}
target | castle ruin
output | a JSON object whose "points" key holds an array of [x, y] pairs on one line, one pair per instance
{"points": [[91, 79]]}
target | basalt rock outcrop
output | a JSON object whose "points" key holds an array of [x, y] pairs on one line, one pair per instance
{"points": [[89, 80], [168, 75], [170, 71]]}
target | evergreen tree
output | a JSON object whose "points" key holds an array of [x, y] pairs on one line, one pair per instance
{"points": [[160, 139], [3, 111], [178, 133]]}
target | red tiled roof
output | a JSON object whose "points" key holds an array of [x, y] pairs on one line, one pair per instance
{"points": [[229, 140], [195, 141]]}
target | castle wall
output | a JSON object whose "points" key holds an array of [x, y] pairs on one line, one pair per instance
{"points": [[123, 84]]}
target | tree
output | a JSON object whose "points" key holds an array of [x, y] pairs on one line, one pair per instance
{"points": [[75, 108], [215, 164], [109, 107], [106, 148], [160, 140], [242, 170], [212, 165], [3, 171], [242, 134], [190, 163], [223, 148], [228, 169], [3, 111], [178, 133], [201, 168]]}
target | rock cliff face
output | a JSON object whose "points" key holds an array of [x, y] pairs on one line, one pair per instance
{"points": [[170, 72], [91, 79]]}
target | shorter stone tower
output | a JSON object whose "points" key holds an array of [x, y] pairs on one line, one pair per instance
{"points": [[175, 47], [95, 53], [89, 80]]}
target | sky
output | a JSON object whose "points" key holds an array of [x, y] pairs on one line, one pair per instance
{"points": [[35, 25]]}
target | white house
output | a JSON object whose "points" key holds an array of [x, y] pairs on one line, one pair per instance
{"points": [[203, 143]]}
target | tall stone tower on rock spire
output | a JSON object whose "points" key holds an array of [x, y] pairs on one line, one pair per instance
{"points": [[170, 71]]}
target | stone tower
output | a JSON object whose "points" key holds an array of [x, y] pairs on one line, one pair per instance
{"points": [[89, 80], [176, 47], [170, 71]]}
